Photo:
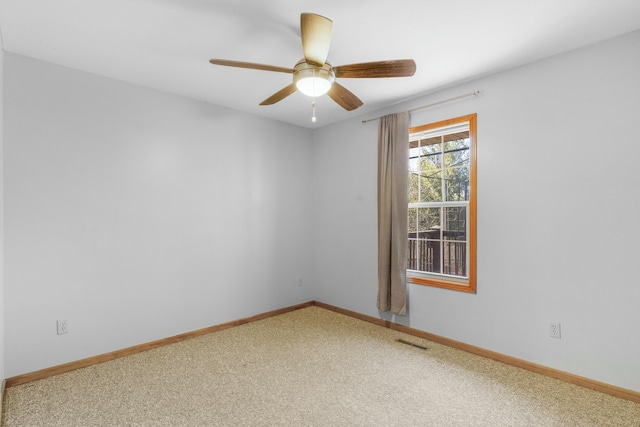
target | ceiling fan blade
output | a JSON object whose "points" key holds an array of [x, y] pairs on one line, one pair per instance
{"points": [[397, 68], [315, 31], [280, 95], [344, 97], [250, 65]]}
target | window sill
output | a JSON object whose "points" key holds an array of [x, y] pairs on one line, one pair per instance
{"points": [[443, 283]]}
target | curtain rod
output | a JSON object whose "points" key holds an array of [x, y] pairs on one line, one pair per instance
{"points": [[474, 93]]}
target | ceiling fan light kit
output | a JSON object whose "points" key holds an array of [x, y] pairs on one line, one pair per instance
{"points": [[314, 76], [312, 80]]}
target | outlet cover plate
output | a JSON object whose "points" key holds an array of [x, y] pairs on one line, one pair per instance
{"points": [[63, 326], [554, 330]]}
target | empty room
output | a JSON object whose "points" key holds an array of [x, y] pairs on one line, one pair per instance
{"points": [[231, 212]]}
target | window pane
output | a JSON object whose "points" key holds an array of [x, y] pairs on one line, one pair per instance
{"points": [[456, 153], [454, 245], [431, 157], [431, 186], [414, 187], [412, 254], [455, 224], [428, 222], [457, 163], [457, 184], [431, 257], [414, 159], [454, 258], [413, 222]]}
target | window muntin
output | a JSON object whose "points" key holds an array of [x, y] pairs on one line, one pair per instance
{"points": [[441, 221]]}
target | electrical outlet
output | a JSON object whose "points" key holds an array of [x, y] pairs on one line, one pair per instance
{"points": [[554, 330], [300, 282], [63, 326]]}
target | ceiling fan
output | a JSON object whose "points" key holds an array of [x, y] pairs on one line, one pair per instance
{"points": [[314, 76]]}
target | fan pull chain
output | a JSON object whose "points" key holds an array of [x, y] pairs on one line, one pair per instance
{"points": [[313, 109]]}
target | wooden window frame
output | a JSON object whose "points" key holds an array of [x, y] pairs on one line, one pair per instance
{"points": [[436, 280]]}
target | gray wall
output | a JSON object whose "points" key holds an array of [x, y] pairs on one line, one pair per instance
{"points": [[138, 215], [558, 209]]}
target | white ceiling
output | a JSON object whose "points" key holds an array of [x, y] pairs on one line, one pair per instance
{"points": [[166, 44]]}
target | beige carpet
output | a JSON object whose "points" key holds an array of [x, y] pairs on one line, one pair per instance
{"points": [[310, 367]]}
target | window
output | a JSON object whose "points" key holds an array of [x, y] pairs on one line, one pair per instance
{"points": [[442, 204]]}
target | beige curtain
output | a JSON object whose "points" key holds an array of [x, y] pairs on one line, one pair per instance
{"points": [[393, 175]]}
